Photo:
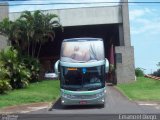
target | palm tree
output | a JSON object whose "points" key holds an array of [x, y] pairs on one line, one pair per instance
{"points": [[6, 29], [28, 18], [20, 37], [30, 31], [41, 29], [13, 31], [50, 23]]}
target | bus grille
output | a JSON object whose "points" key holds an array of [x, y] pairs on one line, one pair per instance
{"points": [[83, 97]]}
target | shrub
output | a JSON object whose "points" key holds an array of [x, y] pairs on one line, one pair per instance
{"points": [[4, 83], [16, 71], [20, 76], [33, 66], [4, 86], [139, 72]]}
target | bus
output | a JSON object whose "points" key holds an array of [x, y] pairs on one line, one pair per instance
{"points": [[81, 70]]}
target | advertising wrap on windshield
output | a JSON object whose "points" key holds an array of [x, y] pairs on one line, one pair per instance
{"points": [[82, 51]]}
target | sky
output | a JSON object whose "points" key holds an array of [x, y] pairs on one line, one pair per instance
{"points": [[144, 25], [145, 35]]}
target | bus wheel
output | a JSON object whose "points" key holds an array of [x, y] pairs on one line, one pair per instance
{"points": [[102, 105]]}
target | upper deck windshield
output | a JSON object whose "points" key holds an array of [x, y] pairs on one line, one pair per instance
{"points": [[82, 50]]}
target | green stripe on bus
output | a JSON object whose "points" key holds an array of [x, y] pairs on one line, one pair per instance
{"points": [[82, 92]]}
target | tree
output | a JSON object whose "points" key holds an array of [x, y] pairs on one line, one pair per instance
{"points": [[7, 29], [157, 72], [139, 72], [158, 64], [15, 32], [30, 31], [41, 29], [27, 34]]}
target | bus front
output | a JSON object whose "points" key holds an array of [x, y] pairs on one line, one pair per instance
{"points": [[82, 69]]}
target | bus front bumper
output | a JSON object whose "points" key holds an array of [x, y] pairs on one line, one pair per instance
{"points": [[95, 101]]}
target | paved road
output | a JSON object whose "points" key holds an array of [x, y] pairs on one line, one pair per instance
{"points": [[116, 103]]}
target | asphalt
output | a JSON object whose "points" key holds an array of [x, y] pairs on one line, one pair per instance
{"points": [[116, 103], [117, 107]]}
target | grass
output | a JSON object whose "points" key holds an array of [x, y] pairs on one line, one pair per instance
{"points": [[143, 89], [45, 91]]}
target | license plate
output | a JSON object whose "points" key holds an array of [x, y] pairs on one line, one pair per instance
{"points": [[82, 102]]}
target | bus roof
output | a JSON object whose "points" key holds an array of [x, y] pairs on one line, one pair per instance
{"points": [[82, 39]]}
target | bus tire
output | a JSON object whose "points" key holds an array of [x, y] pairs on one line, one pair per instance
{"points": [[102, 105]]}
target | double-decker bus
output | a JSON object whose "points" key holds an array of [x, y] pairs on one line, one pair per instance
{"points": [[81, 70]]}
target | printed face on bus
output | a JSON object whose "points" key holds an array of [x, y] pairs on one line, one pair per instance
{"points": [[76, 50]]}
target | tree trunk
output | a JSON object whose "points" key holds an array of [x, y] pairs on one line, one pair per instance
{"points": [[28, 45], [32, 49], [35, 46], [39, 50]]}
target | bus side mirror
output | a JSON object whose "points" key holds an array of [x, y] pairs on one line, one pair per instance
{"points": [[56, 68], [106, 66]]}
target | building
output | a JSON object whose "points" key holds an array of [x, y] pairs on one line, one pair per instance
{"points": [[3, 14], [110, 23]]}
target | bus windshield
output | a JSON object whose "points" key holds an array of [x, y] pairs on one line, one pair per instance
{"points": [[82, 51], [79, 79]]}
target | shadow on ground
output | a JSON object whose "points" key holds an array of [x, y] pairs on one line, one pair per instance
{"points": [[57, 106]]}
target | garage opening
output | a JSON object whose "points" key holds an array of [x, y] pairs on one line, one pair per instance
{"points": [[109, 33]]}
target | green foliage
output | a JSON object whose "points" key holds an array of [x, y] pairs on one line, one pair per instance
{"points": [[16, 71], [34, 67], [30, 31], [6, 27], [111, 67], [40, 29], [142, 89], [45, 91], [26, 34], [4, 83], [139, 72], [157, 72], [4, 86]]}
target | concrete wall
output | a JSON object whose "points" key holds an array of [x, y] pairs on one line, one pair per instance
{"points": [[85, 16], [3, 14], [125, 71], [90, 16], [126, 25]]}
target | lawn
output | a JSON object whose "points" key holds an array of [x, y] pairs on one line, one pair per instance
{"points": [[45, 91], [143, 89]]}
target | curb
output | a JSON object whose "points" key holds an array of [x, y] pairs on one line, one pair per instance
{"points": [[52, 104]]}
